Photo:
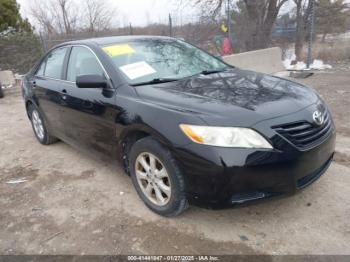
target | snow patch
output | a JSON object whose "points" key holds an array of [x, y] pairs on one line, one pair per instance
{"points": [[299, 65], [319, 65]]}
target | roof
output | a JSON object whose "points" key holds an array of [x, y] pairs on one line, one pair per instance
{"points": [[117, 39]]}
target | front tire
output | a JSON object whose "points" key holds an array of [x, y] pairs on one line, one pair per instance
{"points": [[39, 127], [157, 178]]}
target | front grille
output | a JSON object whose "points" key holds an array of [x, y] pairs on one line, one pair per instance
{"points": [[304, 134]]}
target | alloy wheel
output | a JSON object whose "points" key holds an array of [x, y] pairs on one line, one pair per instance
{"points": [[153, 178], [38, 125]]}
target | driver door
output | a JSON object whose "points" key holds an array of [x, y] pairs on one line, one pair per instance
{"points": [[88, 114]]}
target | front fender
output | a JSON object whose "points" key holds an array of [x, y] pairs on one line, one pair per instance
{"points": [[156, 120]]}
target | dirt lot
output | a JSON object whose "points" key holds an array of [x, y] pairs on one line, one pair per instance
{"points": [[71, 203]]}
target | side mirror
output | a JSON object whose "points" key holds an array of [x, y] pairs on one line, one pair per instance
{"points": [[91, 81]]}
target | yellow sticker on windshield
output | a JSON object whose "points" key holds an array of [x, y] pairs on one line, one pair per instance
{"points": [[117, 50]]}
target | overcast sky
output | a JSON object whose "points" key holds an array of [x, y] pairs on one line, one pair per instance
{"points": [[137, 12], [141, 12]]}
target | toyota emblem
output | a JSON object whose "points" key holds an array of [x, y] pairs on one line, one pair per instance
{"points": [[318, 117]]}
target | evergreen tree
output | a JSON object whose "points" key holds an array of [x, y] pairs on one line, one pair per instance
{"points": [[11, 18], [331, 17]]}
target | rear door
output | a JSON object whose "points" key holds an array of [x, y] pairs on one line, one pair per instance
{"points": [[47, 86], [89, 114]]}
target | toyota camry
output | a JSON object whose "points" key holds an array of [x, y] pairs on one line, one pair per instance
{"points": [[187, 127]]}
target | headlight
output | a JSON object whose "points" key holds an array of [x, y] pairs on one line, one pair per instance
{"points": [[225, 136]]}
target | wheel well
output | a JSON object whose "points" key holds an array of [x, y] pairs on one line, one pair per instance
{"points": [[126, 145]]}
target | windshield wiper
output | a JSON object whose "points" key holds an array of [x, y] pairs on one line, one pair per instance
{"points": [[208, 72], [156, 81]]}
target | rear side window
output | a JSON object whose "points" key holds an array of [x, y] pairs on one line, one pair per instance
{"points": [[82, 62], [54, 63]]}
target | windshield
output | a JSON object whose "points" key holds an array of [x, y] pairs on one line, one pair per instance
{"points": [[141, 61]]}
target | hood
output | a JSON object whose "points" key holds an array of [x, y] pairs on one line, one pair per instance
{"points": [[231, 97]]}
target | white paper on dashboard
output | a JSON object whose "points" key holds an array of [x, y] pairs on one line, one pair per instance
{"points": [[137, 70]]}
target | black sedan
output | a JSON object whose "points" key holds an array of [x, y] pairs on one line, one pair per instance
{"points": [[187, 127]]}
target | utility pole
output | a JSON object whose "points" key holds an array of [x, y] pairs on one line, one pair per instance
{"points": [[311, 33], [229, 25], [229, 20], [130, 29], [43, 43], [170, 26]]}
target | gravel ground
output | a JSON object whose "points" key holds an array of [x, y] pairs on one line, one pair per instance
{"points": [[72, 203]]}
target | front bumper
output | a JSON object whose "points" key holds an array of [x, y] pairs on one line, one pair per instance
{"points": [[225, 177]]}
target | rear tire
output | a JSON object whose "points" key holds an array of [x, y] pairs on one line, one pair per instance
{"points": [[39, 127], [160, 185], [1, 92]]}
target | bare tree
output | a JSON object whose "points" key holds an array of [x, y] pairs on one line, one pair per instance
{"points": [[56, 16], [215, 6], [257, 16], [262, 15], [303, 10], [99, 15], [39, 10], [66, 15]]}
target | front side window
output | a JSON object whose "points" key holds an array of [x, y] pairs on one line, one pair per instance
{"points": [[82, 62], [148, 59], [41, 69], [54, 63]]}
